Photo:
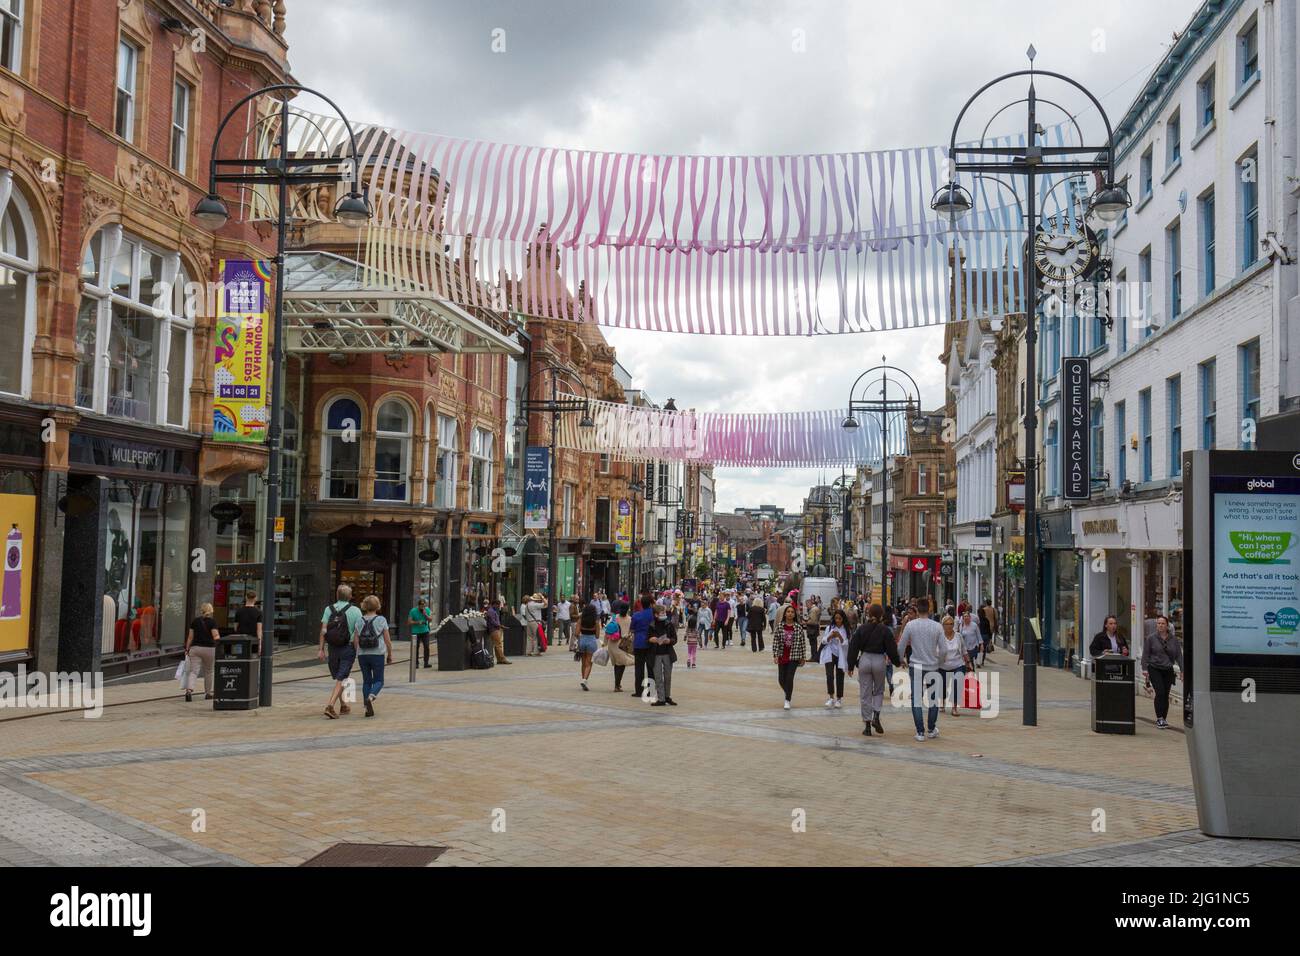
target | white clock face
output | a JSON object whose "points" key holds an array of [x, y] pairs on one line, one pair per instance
{"points": [[1064, 257]]}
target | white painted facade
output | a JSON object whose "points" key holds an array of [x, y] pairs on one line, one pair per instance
{"points": [[973, 381], [1199, 353]]}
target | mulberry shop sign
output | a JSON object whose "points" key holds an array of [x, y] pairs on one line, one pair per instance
{"points": [[1076, 469], [99, 452]]}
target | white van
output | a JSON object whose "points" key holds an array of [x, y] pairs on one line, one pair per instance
{"points": [[823, 588]]}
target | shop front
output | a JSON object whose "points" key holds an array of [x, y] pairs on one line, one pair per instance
{"points": [[1061, 587], [21, 483], [136, 491]]}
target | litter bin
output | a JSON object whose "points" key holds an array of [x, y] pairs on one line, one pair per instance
{"points": [[1114, 704], [451, 637], [237, 672], [513, 636]]}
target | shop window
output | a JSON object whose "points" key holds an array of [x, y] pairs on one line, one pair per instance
{"points": [[392, 451], [146, 559], [17, 289], [1098, 422], [18, 537], [480, 453], [134, 334], [341, 450], [447, 462]]}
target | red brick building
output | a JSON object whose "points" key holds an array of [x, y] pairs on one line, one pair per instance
{"points": [[107, 114]]}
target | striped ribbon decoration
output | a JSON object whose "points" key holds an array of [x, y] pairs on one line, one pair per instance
{"points": [[749, 245], [739, 439]]}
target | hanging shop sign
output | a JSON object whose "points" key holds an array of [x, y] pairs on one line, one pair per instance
{"points": [[226, 511], [429, 555], [920, 564], [240, 351], [537, 487], [983, 529], [1076, 468], [1016, 492]]}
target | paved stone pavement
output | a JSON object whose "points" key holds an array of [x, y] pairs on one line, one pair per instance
{"points": [[519, 766]]}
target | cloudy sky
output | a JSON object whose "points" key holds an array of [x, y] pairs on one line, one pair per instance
{"points": [[693, 76]]}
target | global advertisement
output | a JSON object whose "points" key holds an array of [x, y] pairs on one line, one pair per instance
{"points": [[1257, 565]]}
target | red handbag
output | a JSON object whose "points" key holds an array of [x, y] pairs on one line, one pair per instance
{"points": [[971, 693]]}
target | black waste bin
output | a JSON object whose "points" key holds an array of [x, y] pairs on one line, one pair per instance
{"points": [[237, 673], [452, 651], [514, 638], [1114, 704]]}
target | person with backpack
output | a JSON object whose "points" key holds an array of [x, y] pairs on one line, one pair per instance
{"points": [[336, 628], [420, 618], [371, 651], [618, 641]]}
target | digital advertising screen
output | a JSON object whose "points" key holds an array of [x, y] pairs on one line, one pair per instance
{"points": [[1256, 565]]}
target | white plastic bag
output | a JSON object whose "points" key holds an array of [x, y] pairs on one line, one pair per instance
{"points": [[183, 669], [601, 656]]}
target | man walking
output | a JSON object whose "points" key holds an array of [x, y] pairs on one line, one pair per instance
{"points": [[643, 652], [922, 643], [419, 618], [339, 622], [563, 607], [742, 617], [492, 617]]}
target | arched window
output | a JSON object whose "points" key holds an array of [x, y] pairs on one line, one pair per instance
{"points": [[1098, 421], [17, 289], [480, 479], [341, 450], [1053, 462], [135, 334], [392, 451]]}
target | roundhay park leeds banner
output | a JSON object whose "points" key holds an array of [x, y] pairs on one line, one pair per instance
{"points": [[755, 245]]}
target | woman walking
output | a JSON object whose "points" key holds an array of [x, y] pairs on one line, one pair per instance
{"points": [[971, 637], [789, 650], [692, 634], [704, 620], [371, 652], [871, 646], [834, 656], [201, 651], [1160, 652], [663, 636], [588, 641], [618, 641], [954, 661]]}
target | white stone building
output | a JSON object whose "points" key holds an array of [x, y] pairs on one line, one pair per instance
{"points": [[1204, 309], [973, 381]]}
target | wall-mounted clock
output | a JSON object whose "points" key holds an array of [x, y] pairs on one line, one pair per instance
{"points": [[1062, 256]]}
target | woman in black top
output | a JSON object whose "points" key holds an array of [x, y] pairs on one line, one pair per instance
{"points": [[588, 640], [201, 651], [870, 646]]}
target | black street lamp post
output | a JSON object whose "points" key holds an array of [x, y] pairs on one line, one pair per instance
{"points": [[281, 171], [1107, 203], [888, 408], [555, 406]]}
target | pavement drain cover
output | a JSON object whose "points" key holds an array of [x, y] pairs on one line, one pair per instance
{"points": [[376, 854]]}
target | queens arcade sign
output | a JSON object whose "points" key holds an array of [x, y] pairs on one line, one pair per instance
{"points": [[1076, 469]]}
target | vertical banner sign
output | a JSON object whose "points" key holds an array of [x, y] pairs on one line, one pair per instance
{"points": [[623, 527], [1076, 469], [239, 409], [537, 487]]}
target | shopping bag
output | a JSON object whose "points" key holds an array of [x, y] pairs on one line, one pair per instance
{"points": [[601, 656], [183, 669], [970, 693]]}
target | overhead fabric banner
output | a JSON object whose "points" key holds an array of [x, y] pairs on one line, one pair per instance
{"points": [[757, 245], [537, 487], [239, 352], [745, 439]]}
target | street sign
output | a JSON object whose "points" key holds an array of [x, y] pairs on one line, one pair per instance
{"points": [[428, 554], [278, 536]]}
